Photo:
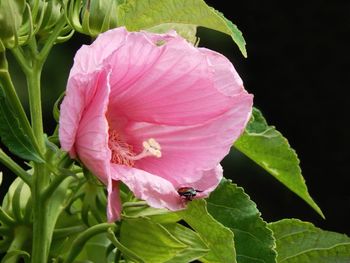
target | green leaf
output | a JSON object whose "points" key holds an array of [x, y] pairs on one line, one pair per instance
{"points": [[95, 249], [196, 247], [217, 237], [144, 14], [83, 238], [127, 253], [149, 241], [187, 31], [12, 133], [157, 215], [302, 242], [269, 149], [233, 208]]}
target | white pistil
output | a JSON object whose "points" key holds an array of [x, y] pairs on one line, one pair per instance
{"points": [[150, 148]]}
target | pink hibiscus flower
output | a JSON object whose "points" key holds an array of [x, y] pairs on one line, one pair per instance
{"points": [[152, 111]]}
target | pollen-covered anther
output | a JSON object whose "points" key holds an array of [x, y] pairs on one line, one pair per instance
{"points": [[153, 147], [150, 148]]}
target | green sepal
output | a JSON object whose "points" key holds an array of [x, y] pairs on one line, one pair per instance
{"points": [[56, 110], [17, 200]]}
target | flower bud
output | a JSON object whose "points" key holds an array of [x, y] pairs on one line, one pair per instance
{"points": [[92, 17], [17, 201], [11, 16], [44, 16], [52, 12]]}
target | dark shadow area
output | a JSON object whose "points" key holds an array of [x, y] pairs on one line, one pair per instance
{"points": [[298, 70]]}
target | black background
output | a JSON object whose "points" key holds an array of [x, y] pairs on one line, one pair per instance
{"points": [[298, 70]]}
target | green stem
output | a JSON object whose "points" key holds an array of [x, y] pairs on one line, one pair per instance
{"points": [[58, 179], [67, 231], [34, 91], [22, 61], [15, 168], [135, 204], [41, 234], [41, 231], [52, 38]]}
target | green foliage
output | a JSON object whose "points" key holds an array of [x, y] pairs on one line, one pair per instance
{"points": [[196, 247], [301, 242], [80, 243], [233, 208], [149, 241], [219, 239], [95, 250], [269, 149], [145, 14], [186, 31], [162, 216], [12, 133]]}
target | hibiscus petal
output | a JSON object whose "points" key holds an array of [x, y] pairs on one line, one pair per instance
{"points": [[89, 58], [80, 91], [187, 150], [225, 77], [174, 83], [91, 134], [156, 191], [207, 182]]}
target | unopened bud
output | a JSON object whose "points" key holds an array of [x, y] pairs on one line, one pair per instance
{"points": [[11, 16], [92, 17], [52, 13]]}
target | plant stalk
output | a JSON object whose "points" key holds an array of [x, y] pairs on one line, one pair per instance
{"points": [[41, 234]]}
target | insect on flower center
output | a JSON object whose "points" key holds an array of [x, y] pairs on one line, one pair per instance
{"points": [[122, 152]]}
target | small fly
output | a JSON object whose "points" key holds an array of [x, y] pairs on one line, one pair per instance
{"points": [[188, 193]]}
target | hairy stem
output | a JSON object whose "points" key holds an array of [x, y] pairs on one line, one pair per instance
{"points": [[41, 235]]}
